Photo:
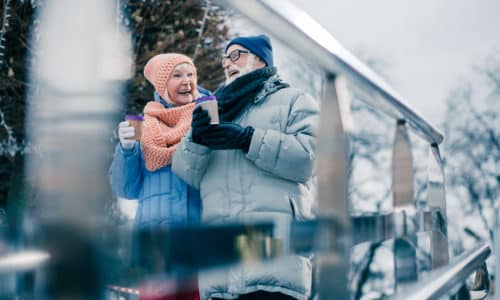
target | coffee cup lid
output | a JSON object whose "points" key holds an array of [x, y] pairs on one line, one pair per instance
{"points": [[205, 98], [134, 117]]}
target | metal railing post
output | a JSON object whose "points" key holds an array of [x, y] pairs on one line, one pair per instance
{"points": [[332, 164], [405, 241], [496, 249], [436, 199]]}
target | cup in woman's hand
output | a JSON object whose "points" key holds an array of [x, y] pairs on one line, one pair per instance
{"points": [[209, 103], [136, 122]]}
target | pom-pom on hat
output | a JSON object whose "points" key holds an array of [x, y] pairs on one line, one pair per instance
{"points": [[158, 69], [260, 45]]}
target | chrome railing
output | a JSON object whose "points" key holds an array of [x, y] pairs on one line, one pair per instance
{"points": [[446, 280], [343, 72], [299, 30], [332, 236]]}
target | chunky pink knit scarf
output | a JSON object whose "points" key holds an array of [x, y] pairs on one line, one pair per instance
{"points": [[162, 130]]}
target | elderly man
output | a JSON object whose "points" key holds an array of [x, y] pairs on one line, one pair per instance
{"points": [[255, 165]]}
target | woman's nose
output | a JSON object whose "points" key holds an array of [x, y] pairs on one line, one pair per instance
{"points": [[186, 80]]}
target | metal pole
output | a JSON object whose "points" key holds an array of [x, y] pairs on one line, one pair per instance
{"points": [[437, 203], [496, 248], [404, 208], [80, 60], [333, 268]]}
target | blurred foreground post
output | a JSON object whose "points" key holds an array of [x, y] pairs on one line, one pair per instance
{"points": [[81, 58]]}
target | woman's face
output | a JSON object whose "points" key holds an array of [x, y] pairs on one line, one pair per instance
{"points": [[181, 85]]}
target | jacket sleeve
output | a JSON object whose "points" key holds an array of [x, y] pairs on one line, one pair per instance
{"points": [[290, 154], [190, 161], [125, 172]]}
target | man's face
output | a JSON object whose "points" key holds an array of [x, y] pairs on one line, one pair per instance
{"points": [[245, 63]]}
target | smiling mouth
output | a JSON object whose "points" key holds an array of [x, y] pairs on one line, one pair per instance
{"points": [[184, 92], [232, 73]]}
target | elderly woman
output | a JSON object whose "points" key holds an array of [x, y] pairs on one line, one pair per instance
{"points": [[142, 169]]}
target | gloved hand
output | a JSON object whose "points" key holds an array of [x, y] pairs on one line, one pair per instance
{"points": [[125, 131], [227, 135], [199, 124]]}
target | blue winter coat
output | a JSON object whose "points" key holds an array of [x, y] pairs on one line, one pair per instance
{"points": [[164, 198]]}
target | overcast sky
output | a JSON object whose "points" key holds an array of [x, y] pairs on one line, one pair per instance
{"points": [[427, 45]]}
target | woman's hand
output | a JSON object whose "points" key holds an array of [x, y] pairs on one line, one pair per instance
{"points": [[125, 132]]}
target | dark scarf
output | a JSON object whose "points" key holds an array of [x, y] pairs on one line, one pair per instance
{"points": [[234, 98]]}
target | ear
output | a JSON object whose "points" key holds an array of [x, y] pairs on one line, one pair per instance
{"points": [[259, 63]]}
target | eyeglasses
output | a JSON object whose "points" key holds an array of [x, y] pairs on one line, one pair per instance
{"points": [[233, 56]]}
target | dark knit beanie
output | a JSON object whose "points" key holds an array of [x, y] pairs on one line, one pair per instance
{"points": [[260, 45]]}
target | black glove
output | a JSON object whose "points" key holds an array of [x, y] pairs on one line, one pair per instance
{"points": [[228, 135], [199, 124]]}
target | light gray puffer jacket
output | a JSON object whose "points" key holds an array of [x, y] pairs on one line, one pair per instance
{"points": [[271, 182]]}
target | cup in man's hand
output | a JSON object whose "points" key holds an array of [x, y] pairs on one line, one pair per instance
{"points": [[209, 103], [136, 122]]}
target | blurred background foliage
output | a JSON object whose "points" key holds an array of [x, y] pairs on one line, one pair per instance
{"points": [[195, 28]]}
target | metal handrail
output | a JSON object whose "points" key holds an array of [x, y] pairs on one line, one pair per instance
{"points": [[23, 260], [438, 283], [296, 28]]}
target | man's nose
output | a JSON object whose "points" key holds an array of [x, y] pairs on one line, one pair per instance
{"points": [[226, 63]]}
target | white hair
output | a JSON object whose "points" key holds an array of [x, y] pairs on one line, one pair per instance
{"points": [[247, 68]]}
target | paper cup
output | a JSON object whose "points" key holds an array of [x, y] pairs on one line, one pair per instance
{"points": [[209, 103], [136, 122]]}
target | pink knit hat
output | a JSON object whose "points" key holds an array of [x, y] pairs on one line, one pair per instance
{"points": [[158, 68]]}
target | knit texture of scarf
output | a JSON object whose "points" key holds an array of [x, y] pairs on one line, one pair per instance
{"points": [[232, 99], [162, 131]]}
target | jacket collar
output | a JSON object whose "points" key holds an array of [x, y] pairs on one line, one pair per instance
{"points": [[273, 84]]}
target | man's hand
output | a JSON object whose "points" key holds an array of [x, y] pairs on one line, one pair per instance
{"points": [[228, 135], [199, 124]]}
